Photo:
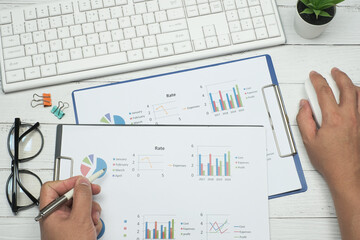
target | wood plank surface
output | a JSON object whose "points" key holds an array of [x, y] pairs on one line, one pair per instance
{"points": [[310, 215]]}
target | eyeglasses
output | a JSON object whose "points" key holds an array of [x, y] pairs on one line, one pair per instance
{"points": [[25, 142]]}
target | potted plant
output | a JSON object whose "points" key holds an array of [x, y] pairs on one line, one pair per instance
{"points": [[313, 16]]}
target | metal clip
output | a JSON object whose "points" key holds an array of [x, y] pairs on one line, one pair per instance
{"points": [[284, 118], [57, 166]]}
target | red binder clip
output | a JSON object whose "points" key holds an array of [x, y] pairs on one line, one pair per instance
{"points": [[44, 100]]}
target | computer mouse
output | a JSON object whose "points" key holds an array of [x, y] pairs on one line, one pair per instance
{"points": [[313, 100]]}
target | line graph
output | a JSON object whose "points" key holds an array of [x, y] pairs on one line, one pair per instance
{"points": [[218, 227], [166, 109], [150, 162]]}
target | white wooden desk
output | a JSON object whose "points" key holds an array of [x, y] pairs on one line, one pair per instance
{"points": [[309, 215]]}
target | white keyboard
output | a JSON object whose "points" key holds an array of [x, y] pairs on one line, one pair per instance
{"points": [[65, 41]]}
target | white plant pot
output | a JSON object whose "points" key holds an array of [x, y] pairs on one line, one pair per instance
{"points": [[307, 30]]}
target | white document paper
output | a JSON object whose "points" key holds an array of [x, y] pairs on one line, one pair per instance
{"points": [[223, 94], [171, 182]]}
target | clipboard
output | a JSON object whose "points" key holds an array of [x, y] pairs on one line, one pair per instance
{"points": [[274, 110]]}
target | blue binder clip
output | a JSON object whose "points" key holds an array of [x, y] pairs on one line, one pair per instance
{"points": [[58, 110]]}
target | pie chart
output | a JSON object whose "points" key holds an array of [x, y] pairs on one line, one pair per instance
{"points": [[91, 164], [112, 119]]}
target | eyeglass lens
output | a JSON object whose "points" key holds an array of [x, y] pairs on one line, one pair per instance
{"points": [[29, 146]]}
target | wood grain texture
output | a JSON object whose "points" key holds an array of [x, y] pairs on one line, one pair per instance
{"points": [[310, 215]]}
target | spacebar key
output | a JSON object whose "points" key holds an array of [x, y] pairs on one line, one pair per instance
{"points": [[91, 63]]}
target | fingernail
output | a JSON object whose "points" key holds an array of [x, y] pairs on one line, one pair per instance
{"points": [[84, 181], [302, 103], [313, 72], [336, 69]]}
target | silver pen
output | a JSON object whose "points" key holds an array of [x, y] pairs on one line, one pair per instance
{"points": [[51, 207]]}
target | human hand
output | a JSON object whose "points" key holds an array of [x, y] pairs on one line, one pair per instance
{"points": [[79, 218], [334, 149]]}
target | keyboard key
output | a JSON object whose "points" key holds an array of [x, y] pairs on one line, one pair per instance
{"points": [[136, 20], [229, 5], [154, 28], [253, 2], [176, 13], [5, 17], [56, 45], [266, 6], [68, 20], [64, 55], [15, 76], [48, 70], [166, 50], [84, 5], [172, 37], [160, 16], [129, 32], [105, 37], [18, 28], [42, 11], [31, 49], [244, 36], [140, 8], [68, 43], [168, 4], [113, 47], [137, 43], [182, 47], [121, 2], [190, 2], [261, 33], [215, 7], [117, 35], [100, 26], [258, 22], [255, 11], [50, 34], [76, 53], [104, 14], [192, 11], [43, 24], [152, 6], [96, 4], [241, 3], [93, 39], [211, 42], [232, 15], [149, 18], [109, 3], [141, 31], [26, 38], [244, 13], [150, 52], [75, 30], [271, 25], [128, 10], [246, 24], [92, 16], [209, 30], [54, 9], [135, 55], [66, 7], [150, 41], [116, 12], [80, 18], [18, 63], [124, 22], [32, 73], [125, 45], [51, 57], [43, 47], [80, 41], [199, 44], [30, 13], [14, 52], [6, 30], [204, 9], [56, 22], [88, 28], [63, 32], [91, 63], [235, 26], [88, 51], [224, 40], [11, 41], [112, 24], [174, 25]]}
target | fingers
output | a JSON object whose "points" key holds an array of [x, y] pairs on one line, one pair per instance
{"points": [[82, 199], [358, 98], [346, 87], [98, 227], [52, 190], [95, 212], [324, 94], [306, 122]]}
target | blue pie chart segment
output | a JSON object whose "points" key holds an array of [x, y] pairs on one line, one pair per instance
{"points": [[119, 120], [100, 164]]}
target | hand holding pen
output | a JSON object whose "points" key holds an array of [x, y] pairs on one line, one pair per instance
{"points": [[76, 219]]}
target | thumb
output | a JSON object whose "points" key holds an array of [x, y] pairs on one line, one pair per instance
{"points": [[306, 122], [82, 200]]}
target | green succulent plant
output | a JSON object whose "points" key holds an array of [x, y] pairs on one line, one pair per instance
{"points": [[317, 7]]}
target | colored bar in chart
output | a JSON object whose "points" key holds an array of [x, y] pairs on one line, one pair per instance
{"points": [[222, 167], [233, 99], [160, 232]]}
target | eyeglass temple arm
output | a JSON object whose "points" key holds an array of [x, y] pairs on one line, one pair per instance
{"points": [[33, 199], [36, 125]]}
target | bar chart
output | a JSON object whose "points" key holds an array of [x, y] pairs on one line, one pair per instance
{"points": [[214, 161], [159, 229], [224, 96]]}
